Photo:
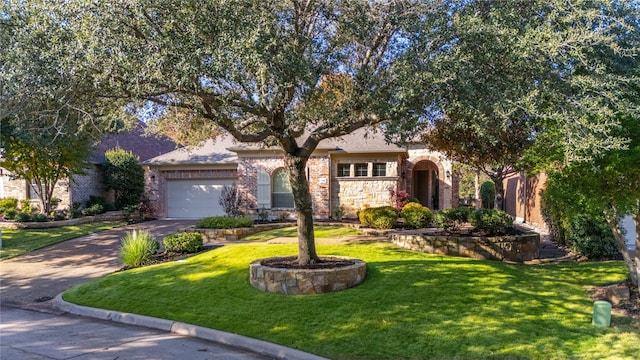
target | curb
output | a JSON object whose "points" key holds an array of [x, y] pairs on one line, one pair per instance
{"points": [[199, 332]]}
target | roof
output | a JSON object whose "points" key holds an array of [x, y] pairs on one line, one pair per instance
{"points": [[135, 140], [213, 151], [224, 150]]}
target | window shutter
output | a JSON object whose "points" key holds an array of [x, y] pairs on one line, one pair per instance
{"points": [[264, 190]]}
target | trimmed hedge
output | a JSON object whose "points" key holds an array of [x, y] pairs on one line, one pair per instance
{"points": [[182, 242], [416, 215], [491, 221], [224, 222], [383, 217]]}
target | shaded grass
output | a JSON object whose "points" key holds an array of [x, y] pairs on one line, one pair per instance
{"points": [[319, 232], [411, 306], [16, 242]]}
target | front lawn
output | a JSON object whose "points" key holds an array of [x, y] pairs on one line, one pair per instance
{"points": [[16, 242], [319, 231], [411, 306]]}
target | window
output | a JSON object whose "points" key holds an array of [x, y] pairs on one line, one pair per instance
{"points": [[264, 190], [33, 190], [380, 169], [361, 169], [281, 195], [344, 170]]}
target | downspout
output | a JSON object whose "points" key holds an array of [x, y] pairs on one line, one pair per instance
{"points": [[330, 180]]}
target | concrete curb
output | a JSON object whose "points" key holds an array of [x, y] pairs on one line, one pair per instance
{"points": [[199, 332]]}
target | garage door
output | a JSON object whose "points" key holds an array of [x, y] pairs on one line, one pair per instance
{"points": [[194, 199]]}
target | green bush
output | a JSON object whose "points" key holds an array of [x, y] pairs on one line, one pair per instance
{"points": [[138, 248], [39, 218], [93, 210], [59, 215], [8, 204], [23, 217], [451, 219], [591, 236], [488, 194], [224, 222], [383, 217], [183, 242], [100, 200], [123, 174], [25, 206], [491, 221], [10, 214], [416, 215]]}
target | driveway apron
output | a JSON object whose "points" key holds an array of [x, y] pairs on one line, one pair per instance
{"points": [[31, 280]]}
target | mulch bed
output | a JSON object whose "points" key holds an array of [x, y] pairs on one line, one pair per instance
{"points": [[630, 307], [291, 262]]}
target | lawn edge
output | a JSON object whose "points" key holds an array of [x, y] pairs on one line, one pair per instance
{"points": [[179, 328]]}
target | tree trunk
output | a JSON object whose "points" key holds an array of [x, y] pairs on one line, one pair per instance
{"points": [[636, 220], [613, 219], [304, 208], [477, 189], [498, 180]]}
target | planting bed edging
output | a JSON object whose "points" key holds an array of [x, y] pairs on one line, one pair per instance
{"points": [[518, 248], [238, 233], [108, 216], [306, 281]]}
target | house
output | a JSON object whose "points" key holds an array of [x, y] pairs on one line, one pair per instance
{"points": [[79, 188], [353, 172]]}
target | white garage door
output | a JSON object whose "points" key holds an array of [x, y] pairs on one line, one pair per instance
{"points": [[194, 199]]}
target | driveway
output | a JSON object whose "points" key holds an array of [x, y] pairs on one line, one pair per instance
{"points": [[31, 280]]}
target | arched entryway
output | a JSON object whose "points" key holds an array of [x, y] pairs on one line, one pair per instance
{"points": [[426, 184]]}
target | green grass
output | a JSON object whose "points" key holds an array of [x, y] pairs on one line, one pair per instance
{"points": [[16, 242], [319, 232], [411, 306]]}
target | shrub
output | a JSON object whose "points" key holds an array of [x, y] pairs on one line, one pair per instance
{"points": [[283, 216], [93, 210], [416, 215], [10, 214], [383, 217], [23, 217], [39, 218], [25, 206], [124, 175], [59, 215], [99, 200], [338, 213], [224, 222], [54, 202], [184, 242], [451, 219], [488, 194], [590, 236], [138, 248], [491, 221], [263, 214], [399, 198], [8, 204]]}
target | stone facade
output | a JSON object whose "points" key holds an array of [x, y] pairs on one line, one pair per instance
{"points": [[18, 188]]}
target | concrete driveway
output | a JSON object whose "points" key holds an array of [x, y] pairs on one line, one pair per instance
{"points": [[31, 280]]}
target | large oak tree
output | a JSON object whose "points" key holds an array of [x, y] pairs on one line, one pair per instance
{"points": [[260, 70]]}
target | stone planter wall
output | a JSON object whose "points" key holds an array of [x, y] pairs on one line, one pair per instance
{"points": [[306, 281], [517, 248], [237, 234], [108, 216]]}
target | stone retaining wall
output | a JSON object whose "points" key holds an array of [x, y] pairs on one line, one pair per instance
{"points": [[306, 281], [516, 248], [108, 216], [237, 234]]}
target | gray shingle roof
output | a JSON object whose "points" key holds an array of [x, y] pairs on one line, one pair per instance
{"points": [[223, 150]]}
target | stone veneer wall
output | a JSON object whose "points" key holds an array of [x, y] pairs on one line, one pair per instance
{"points": [[17, 188], [517, 248], [355, 193]]}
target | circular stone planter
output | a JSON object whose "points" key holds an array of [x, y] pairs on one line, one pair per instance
{"points": [[306, 281]]}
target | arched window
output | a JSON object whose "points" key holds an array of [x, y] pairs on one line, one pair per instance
{"points": [[281, 195], [264, 189]]}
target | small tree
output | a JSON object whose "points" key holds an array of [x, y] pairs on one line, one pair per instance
{"points": [[230, 200], [124, 175]]}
